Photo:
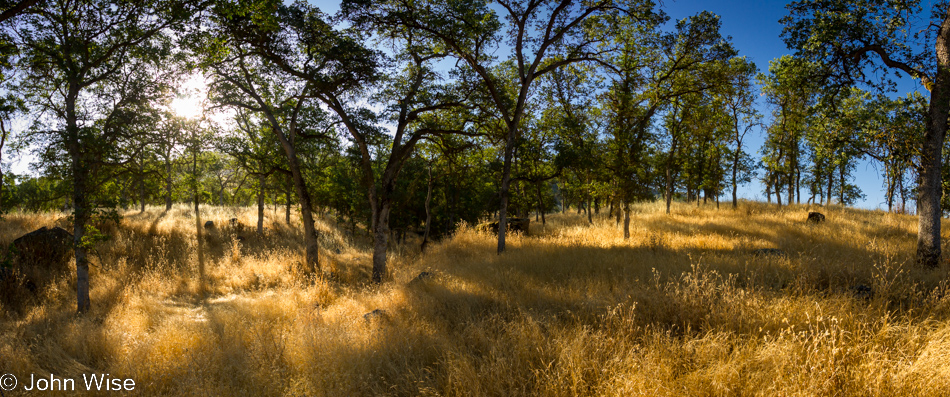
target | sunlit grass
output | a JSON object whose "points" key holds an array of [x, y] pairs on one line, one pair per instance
{"points": [[684, 307]]}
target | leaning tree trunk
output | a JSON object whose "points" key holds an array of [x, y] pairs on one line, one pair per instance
{"points": [[306, 212]]}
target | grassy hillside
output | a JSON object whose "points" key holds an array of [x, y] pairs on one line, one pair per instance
{"points": [[685, 307]]}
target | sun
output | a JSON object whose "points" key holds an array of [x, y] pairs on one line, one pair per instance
{"points": [[189, 102], [187, 107]]}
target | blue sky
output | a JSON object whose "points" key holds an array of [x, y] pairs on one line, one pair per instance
{"points": [[756, 33], [755, 30]]}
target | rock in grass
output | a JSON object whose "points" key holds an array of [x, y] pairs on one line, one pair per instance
{"points": [[863, 292], [769, 252], [5, 273], [514, 225], [816, 217], [421, 278], [209, 225], [375, 315], [42, 255]]}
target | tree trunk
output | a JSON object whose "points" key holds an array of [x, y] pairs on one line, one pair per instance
{"points": [[890, 189], [842, 184], [669, 176], [831, 181], [590, 215], [80, 205], [791, 188], [306, 213], [381, 241], [287, 205], [198, 226], [735, 184], [798, 186], [900, 183], [3, 140], [81, 217], [540, 205], [626, 221], [618, 215], [928, 231], [168, 183], [425, 236], [506, 183], [260, 205], [778, 192]]}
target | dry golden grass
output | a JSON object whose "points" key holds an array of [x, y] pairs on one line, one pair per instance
{"points": [[682, 308]]}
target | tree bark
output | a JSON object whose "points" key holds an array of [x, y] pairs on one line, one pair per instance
{"points": [[3, 140], [80, 205], [381, 241], [260, 205], [778, 192], [791, 186], [735, 171], [831, 181], [841, 183], [798, 185], [198, 225], [506, 183], [168, 183], [590, 216], [306, 213], [626, 221], [287, 205], [928, 231], [541, 205], [425, 235], [890, 188], [669, 175]]}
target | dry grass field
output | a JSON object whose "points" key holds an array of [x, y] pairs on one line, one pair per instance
{"points": [[683, 308]]}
